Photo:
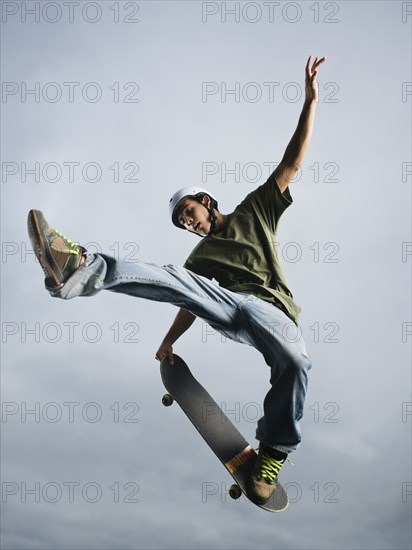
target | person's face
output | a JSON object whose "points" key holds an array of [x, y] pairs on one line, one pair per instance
{"points": [[194, 217]]}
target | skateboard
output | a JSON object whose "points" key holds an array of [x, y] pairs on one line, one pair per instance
{"points": [[217, 430]]}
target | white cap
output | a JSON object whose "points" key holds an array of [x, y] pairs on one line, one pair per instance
{"points": [[183, 194]]}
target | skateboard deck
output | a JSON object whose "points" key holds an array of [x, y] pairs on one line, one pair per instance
{"points": [[217, 430]]}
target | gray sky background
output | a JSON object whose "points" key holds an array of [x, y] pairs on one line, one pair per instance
{"points": [[343, 256]]}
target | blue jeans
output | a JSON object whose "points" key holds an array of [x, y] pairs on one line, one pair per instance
{"points": [[241, 317]]}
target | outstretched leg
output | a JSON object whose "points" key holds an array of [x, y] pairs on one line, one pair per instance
{"points": [[67, 276]]}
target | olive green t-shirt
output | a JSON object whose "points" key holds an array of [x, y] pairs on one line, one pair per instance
{"points": [[243, 257]]}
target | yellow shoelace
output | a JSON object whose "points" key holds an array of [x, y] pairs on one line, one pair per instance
{"points": [[73, 247], [270, 468]]}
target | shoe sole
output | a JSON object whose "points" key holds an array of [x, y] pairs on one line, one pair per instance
{"points": [[40, 246]]}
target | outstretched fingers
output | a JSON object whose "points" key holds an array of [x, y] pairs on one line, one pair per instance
{"points": [[315, 64]]}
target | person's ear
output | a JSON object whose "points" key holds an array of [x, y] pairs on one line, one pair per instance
{"points": [[206, 201]]}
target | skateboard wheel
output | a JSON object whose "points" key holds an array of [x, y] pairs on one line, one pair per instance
{"points": [[235, 491], [167, 400]]}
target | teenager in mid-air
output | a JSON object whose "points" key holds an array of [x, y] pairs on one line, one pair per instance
{"points": [[252, 303]]}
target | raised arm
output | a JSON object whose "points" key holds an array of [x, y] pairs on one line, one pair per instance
{"points": [[183, 320], [296, 150]]}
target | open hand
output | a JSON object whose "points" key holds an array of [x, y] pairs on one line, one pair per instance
{"points": [[311, 85]]}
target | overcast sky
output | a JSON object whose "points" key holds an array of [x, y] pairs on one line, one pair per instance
{"points": [[107, 109]]}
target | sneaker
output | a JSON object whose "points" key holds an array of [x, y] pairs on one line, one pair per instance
{"points": [[59, 257], [265, 473]]}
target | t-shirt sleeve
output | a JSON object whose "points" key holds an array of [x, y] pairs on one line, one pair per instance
{"points": [[268, 201]]}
